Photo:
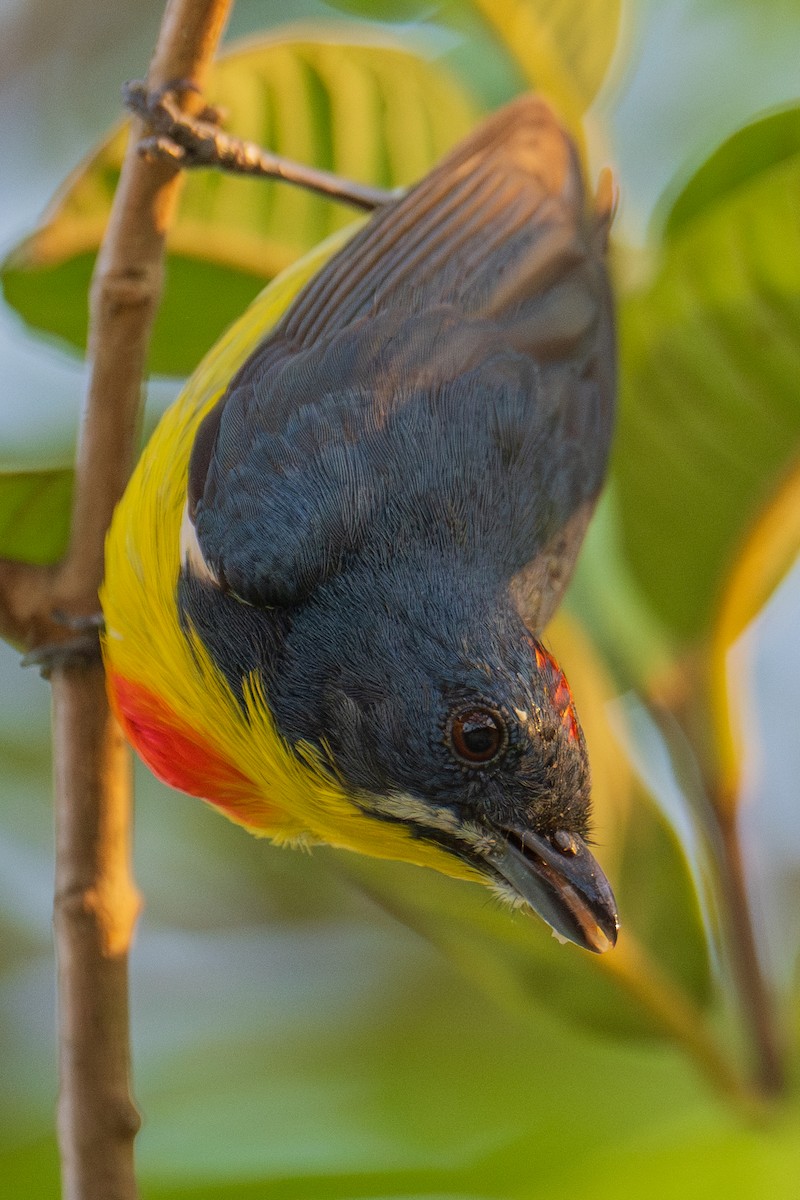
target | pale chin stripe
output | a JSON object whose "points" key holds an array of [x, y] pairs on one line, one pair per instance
{"points": [[403, 807], [191, 554]]}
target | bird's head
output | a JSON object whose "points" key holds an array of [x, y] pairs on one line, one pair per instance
{"points": [[440, 710]]}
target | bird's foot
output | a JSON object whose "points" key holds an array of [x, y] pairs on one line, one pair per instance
{"points": [[83, 647]]}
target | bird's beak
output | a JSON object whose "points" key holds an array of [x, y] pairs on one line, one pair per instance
{"points": [[562, 882]]}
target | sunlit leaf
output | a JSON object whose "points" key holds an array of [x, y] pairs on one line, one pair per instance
{"points": [[560, 47], [765, 558], [390, 10], [606, 597], [740, 159], [368, 110], [563, 47], [655, 892], [710, 355]]}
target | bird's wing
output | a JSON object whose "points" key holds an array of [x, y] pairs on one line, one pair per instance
{"points": [[492, 257], [491, 229]]}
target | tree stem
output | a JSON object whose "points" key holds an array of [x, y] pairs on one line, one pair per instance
{"points": [[714, 804], [96, 905], [757, 1003], [96, 901]]}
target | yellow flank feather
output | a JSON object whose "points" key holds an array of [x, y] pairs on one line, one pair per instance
{"points": [[296, 796]]}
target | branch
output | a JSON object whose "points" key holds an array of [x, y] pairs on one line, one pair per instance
{"points": [[755, 995], [96, 902], [199, 142], [683, 725]]}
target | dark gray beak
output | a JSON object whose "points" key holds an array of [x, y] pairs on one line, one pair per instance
{"points": [[562, 882]]}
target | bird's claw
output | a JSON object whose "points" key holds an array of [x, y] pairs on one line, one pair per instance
{"points": [[84, 647]]}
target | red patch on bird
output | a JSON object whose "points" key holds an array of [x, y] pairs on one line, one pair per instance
{"points": [[559, 690], [176, 753]]}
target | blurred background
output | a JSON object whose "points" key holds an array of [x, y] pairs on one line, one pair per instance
{"points": [[318, 1026]]}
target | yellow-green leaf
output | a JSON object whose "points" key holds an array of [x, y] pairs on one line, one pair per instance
{"points": [[368, 110], [35, 514], [766, 556], [563, 47], [709, 417], [747, 154]]}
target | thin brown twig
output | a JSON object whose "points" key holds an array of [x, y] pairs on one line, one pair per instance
{"points": [[755, 997], [197, 141], [683, 727], [676, 1012]]}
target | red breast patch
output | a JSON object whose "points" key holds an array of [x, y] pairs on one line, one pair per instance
{"points": [[176, 753]]}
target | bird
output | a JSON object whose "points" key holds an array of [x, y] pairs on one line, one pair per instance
{"points": [[327, 582]]}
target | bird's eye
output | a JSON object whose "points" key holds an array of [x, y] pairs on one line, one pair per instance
{"points": [[477, 735]]}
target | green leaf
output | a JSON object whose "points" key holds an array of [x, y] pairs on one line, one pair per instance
{"points": [[389, 10], [655, 891], [560, 47], [766, 556], [742, 158], [710, 357], [428, 1091], [201, 299], [563, 48], [342, 1058], [606, 598], [370, 110], [34, 514]]}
